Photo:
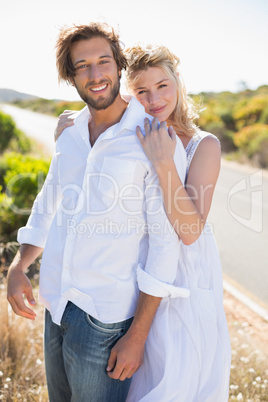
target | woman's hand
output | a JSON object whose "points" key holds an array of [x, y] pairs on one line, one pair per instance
{"points": [[66, 119], [159, 142]]}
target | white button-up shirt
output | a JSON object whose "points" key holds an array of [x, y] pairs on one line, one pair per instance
{"points": [[101, 221]]}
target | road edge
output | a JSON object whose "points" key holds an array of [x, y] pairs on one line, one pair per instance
{"points": [[242, 296]]}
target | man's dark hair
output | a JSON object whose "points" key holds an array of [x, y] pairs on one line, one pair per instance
{"points": [[75, 33]]}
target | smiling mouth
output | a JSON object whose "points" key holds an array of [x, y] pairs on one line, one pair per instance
{"points": [[99, 88], [157, 110]]}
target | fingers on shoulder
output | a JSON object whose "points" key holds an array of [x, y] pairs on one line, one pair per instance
{"points": [[139, 134]]}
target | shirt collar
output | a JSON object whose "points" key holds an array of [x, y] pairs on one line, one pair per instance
{"points": [[133, 116], [82, 116]]}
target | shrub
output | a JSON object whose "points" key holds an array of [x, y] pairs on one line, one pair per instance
{"points": [[207, 116], [20, 143], [261, 153], [249, 111], [254, 140], [264, 116], [7, 130], [228, 119], [225, 136], [48, 106], [61, 106], [11, 138], [23, 178]]}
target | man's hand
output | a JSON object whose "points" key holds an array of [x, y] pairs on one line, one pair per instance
{"points": [[17, 282], [127, 354], [126, 357], [17, 285]]}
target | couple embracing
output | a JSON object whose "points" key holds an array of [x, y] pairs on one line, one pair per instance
{"points": [[135, 314]]}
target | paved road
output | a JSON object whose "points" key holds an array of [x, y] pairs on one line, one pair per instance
{"points": [[240, 220], [239, 212], [36, 125]]}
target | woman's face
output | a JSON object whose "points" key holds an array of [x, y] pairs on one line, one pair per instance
{"points": [[156, 92]]}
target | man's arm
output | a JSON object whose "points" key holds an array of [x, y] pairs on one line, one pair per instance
{"points": [[18, 283], [32, 238], [127, 355], [44, 209]]}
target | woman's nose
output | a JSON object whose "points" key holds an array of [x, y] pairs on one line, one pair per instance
{"points": [[153, 97]]}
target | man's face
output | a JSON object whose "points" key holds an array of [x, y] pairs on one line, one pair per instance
{"points": [[96, 73]]}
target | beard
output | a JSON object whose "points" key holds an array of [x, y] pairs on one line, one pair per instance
{"points": [[101, 103]]}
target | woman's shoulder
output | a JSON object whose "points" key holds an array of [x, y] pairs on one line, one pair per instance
{"points": [[208, 141], [202, 147], [202, 140], [207, 149], [205, 135]]}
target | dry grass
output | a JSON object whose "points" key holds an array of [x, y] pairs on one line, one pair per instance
{"points": [[21, 355], [249, 339], [22, 365]]}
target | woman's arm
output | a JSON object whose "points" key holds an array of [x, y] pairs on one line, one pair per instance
{"points": [[187, 209]]}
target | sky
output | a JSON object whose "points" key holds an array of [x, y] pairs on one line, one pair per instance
{"points": [[221, 43]]}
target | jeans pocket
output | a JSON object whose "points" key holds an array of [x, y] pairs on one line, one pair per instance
{"points": [[111, 328]]}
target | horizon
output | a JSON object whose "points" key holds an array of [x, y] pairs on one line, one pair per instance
{"points": [[191, 94]]}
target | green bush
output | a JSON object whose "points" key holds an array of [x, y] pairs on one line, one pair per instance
{"points": [[250, 138], [11, 138], [20, 143], [207, 116], [264, 116], [61, 106], [3, 169], [48, 106], [261, 153], [225, 136], [23, 177], [7, 130], [249, 111], [228, 119]]}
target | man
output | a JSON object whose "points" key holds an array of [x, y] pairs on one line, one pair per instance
{"points": [[109, 251]]}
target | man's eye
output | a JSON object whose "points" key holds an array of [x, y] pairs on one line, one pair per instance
{"points": [[104, 62], [81, 67]]}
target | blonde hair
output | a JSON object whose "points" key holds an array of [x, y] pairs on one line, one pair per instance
{"points": [[75, 33], [141, 57]]}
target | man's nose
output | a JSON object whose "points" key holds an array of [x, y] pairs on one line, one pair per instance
{"points": [[95, 73]]}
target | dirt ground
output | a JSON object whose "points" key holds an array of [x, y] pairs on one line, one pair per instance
{"points": [[256, 327]]}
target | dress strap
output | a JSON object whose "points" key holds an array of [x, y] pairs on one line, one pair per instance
{"points": [[192, 146]]}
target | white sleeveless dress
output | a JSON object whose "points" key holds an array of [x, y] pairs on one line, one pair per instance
{"points": [[188, 354]]}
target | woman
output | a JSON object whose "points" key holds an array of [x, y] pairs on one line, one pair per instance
{"points": [[187, 356]]}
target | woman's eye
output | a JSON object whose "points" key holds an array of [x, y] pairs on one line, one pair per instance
{"points": [[162, 86], [141, 92]]}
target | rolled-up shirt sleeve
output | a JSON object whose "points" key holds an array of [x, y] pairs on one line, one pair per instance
{"points": [[159, 273], [43, 211]]}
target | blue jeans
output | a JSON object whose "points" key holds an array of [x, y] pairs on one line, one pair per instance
{"points": [[76, 357]]}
